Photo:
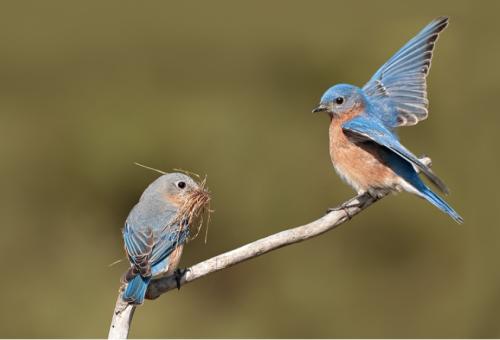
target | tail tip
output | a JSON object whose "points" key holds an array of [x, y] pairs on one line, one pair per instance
{"points": [[458, 218]]}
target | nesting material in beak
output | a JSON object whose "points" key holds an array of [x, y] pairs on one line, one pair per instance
{"points": [[196, 204]]}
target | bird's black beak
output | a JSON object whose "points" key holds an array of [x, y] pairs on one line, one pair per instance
{"points": [[320, 108]]}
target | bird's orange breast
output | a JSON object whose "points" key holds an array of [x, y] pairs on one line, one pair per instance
{"points": [[174, 259], [359, 164]]}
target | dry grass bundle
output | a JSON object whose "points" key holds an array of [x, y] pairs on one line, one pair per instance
{"points": [[195, 206]]}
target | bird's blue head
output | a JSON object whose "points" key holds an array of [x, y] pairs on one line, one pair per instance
{"points": [[340, 99]]}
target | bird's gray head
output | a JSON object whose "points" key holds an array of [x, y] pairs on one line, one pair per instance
{"points": [[340, 99], [175, 195], [173, 187]]}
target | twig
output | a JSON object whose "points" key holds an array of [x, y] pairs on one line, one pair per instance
{"points": [[122, 316]]}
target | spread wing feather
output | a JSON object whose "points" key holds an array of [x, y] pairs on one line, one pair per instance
{"points": [[401, 82]]}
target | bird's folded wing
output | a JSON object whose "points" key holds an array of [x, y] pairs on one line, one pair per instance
{"points": [[139, 246], [401, 82], [364, 128], [145, 249]]}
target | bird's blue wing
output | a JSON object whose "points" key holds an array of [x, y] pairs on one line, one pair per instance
{"points": [[364, 128], [146, 248], [400, 84], [139, 246], [167, 241]]}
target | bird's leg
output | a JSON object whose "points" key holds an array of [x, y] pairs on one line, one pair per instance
{"points": [[357, 202], [178, 275]]}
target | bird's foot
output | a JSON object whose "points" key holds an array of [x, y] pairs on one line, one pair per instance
{"points": [[345, 206], [178, 275], [356, 202]]}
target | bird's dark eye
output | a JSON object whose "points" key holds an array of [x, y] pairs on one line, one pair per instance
{"points": [[339, 100], [181, 184]]}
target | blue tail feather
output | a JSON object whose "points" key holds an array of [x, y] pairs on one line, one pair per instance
{"points": [[441, 204], [136, 290], [406, 171]]}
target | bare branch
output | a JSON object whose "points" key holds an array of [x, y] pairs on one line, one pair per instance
{"points": [[263, 246], [122, 316], [123, 313]]}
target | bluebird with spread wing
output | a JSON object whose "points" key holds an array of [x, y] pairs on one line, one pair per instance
{"points": [[157, 228], [364, 147]]}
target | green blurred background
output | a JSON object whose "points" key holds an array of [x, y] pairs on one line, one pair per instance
{"points": [[226, 89]]}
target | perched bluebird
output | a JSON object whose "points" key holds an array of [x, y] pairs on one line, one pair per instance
{"points": [[364, 147], [157, 228]]}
